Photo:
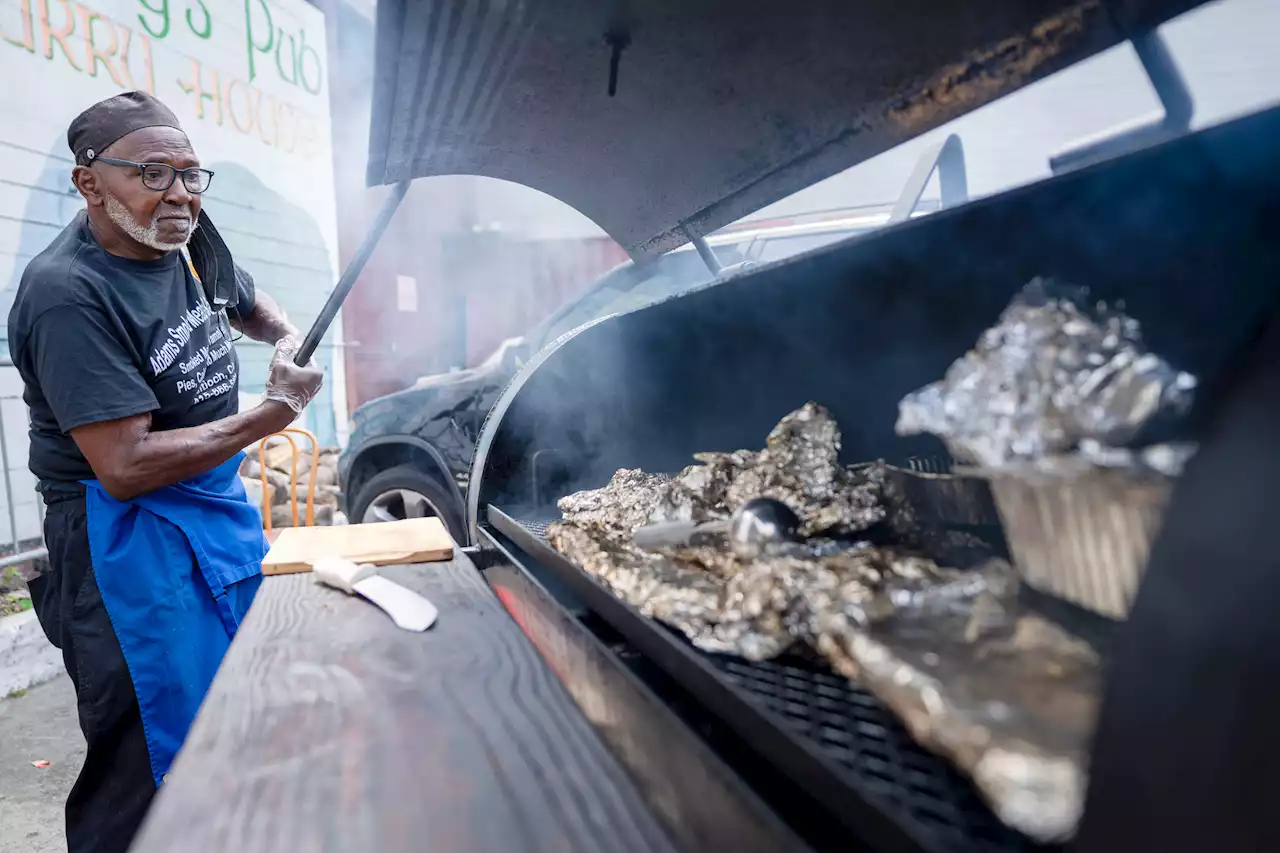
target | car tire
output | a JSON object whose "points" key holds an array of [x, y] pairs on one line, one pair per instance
{"points": [[383, 487]]}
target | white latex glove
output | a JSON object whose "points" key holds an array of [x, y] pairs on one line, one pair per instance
{"points": [[289, 384]]}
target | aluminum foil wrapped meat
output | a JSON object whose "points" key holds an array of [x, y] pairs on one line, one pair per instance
{"points": [[1047, 376], [798, 466], [1008, 697], [720, 601], [677, 592], [1042, 405], [620, 507]]}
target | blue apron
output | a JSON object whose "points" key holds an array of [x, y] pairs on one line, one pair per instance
{"points": [[178, 569]]}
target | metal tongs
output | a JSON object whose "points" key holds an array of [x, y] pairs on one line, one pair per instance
{"points": [[757, 526]]}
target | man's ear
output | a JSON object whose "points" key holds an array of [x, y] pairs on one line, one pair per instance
{"points": [[89, 183]]}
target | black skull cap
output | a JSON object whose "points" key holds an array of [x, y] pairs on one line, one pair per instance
{"points": [[95, 129]]}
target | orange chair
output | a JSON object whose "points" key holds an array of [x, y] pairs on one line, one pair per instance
{"points": [[293, 479]]}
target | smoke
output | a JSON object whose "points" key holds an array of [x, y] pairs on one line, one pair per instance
{"points": [[529, 288]]}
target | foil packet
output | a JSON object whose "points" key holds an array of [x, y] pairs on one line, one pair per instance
{"points": [[799, 466], [1043, 407], [1049, 376], [1008, 697]]}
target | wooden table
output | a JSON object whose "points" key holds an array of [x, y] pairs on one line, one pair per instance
{"points": [[329, 729]]}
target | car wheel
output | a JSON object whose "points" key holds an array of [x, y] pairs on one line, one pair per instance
{"points": [[405, 492]]}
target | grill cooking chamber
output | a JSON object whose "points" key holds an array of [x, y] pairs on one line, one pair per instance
{"points": [[1177, 233]]}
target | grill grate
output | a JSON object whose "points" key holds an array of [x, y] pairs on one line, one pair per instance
{"points": [[866, 744], [855, 730], [538, 528]]}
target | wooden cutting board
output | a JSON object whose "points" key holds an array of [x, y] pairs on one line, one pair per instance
{"points": [[415, 540]]}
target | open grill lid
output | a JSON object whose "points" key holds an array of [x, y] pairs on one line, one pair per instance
{"points": [[721, 106]]}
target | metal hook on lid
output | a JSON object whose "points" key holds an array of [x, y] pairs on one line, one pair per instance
{"points": [[618, 40]]}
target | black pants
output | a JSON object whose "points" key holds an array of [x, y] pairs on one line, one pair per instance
{"points": [[115, 787]]}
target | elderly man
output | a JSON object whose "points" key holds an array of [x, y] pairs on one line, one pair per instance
{"points": [[122, 332]]}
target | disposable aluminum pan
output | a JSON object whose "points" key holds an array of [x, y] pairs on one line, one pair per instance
{"points": [[1083, 533], [940, 497]]}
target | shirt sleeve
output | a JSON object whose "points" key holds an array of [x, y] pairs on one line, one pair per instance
{"points": [[84, 368], [247, 293]]}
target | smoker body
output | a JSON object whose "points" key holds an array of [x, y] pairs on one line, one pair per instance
{"points": [[666, 120], [1179, 232]]}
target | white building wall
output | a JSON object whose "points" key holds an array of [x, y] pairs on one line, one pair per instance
{"points": [[249, 81], [21, 484]]}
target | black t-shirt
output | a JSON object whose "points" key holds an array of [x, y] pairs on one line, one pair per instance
{"points": [[97, 337]]}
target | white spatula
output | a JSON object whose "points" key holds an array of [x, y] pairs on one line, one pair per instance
{"points": [[405, 607]]}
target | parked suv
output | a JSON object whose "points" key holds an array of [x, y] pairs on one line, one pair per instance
{"points": [[410, 452]]}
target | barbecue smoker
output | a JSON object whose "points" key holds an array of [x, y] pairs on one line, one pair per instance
{"points": [[614, 109]]}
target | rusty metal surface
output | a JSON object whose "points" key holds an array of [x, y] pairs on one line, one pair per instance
{"points": [[720, 107]]}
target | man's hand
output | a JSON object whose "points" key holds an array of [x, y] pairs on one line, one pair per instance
{"points": [[289, 384]]}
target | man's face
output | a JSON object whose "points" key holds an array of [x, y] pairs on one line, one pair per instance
{"points": [[161, 220]]}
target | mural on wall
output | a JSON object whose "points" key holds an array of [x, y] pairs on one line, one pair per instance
{"points": [[249, 81]]}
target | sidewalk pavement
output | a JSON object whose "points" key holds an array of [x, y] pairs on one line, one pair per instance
{"points": [[39, 725]]}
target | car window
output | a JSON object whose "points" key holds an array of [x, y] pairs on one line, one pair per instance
{"points": [[632, 287], [777, 248], [673, 274], [589, 305]]}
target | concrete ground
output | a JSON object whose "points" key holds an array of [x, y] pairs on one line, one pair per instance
{"points": [[39, 725]]}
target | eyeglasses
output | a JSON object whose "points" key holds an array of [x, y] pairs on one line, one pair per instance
{"points": [[160, 176]]}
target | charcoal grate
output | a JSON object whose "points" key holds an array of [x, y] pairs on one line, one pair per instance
{"points": [[857, 734]]}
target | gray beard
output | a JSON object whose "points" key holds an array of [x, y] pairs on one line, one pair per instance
{"points": [[148, 236]]}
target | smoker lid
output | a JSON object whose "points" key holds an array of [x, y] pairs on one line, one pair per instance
{"points": [[721, 106]]}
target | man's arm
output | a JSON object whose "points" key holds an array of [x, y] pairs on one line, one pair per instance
{"points": [[130, 459], [100, 398], [266, 322]]}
